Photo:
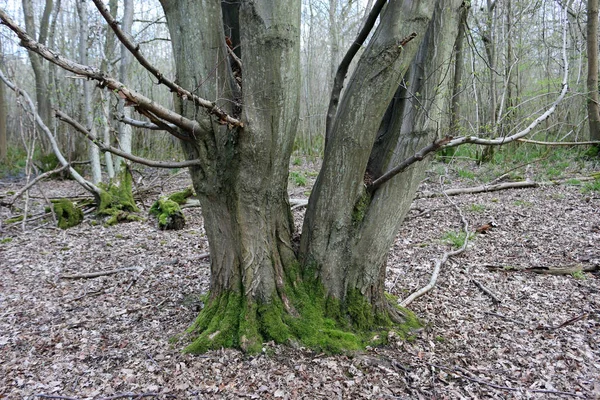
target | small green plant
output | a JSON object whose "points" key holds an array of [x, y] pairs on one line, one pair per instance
{"points": [[466, 174], [6, 240], [456, 239], [578, 274], [298, 178], [522, 203], [593, 186], [297, 161], [477, 208]]}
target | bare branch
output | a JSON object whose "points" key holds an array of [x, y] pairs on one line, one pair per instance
{"points": [[181, 92], [89, 186], [36, 180], [340, 75], [157, 164], [134, 98], [559, 143], [406, 163], [99, 273], [140, 124]]}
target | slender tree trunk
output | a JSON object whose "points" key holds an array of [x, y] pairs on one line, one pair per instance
{"points": [[93, 151], [109, 53], [592, 80], [42, 93], [459, 66], [3, 112], [334, 41], [125, 130]]}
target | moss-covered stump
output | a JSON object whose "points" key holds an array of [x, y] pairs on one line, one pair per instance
{"points": [[168, 211], [67, 214], [116, 201], [301, 317]]}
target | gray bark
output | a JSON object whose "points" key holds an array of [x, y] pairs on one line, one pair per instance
{"points": [[42, 93], [592, 80], [125, 131], [242, 185], [3, 108], [93, 151], [350, 254]]}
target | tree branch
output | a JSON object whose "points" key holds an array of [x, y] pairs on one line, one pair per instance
{"points": [[559, 143], [185, 94], [156, 164], [33, 182], [99, 273], [418, 156], [134, 98], [340, 75], [140, 124], [89, 186]]}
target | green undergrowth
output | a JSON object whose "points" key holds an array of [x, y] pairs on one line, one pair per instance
{"points": [[302, 316], [167, 210], [116, 200]]}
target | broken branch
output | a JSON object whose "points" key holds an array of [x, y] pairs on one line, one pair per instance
{"points": [[98, 273]]}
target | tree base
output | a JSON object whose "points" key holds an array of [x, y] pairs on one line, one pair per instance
{"points": [[300, 317]]}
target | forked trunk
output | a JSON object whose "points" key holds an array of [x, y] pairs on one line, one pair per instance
{"points": [[333, 296]]}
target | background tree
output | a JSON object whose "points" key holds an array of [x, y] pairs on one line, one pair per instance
{"points": [[592, 81]]}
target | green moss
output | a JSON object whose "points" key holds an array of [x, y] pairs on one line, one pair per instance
{"points": [[168, 214], [360, 208], [67, 214], [308, 317], [13, 220], [117, 201], [5, 240], [181, 197]]}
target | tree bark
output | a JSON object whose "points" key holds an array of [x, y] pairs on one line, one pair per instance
{"points": [[125, 131], [592, 79], [42, 93], [3, 112], [347, 232]]}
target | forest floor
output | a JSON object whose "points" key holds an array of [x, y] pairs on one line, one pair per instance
{"points": [[109, 336]]}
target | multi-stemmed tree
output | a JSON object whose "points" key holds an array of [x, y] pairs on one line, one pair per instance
{"points": [[236, 112]]}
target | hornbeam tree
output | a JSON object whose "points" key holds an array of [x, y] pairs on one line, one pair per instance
{"points": [[236, 110]]}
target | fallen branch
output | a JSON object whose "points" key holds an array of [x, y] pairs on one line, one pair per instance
{"points": [[133, 395], [104, 148], [569, 270], [33, 182], [462, 373], [440, 262], [567, 322], [487, 291], [96, 274], [507, 185], [140, 101], [52, 396]]}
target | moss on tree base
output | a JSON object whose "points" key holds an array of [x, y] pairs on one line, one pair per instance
{"points": [[167, 210], [117, 201], [303, 316]]}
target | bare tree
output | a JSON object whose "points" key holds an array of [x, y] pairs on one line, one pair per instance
{"points": [[592, 79]]}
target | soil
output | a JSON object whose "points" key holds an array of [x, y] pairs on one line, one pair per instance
{"points": [[109, 337]]}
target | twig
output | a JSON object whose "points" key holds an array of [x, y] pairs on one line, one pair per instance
{"points": [[559, 143], [98, 273], [440, 262], [487, 291], [52, 396], [133, 395], [506, 318], [568, 322], [461, 373], [33, 182]]}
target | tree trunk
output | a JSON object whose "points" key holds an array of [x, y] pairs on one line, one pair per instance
{"points": [[125, 130], [44, 106], [592, 79], [330, 291], [93, 151], [3, 108], [348, 231]]}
